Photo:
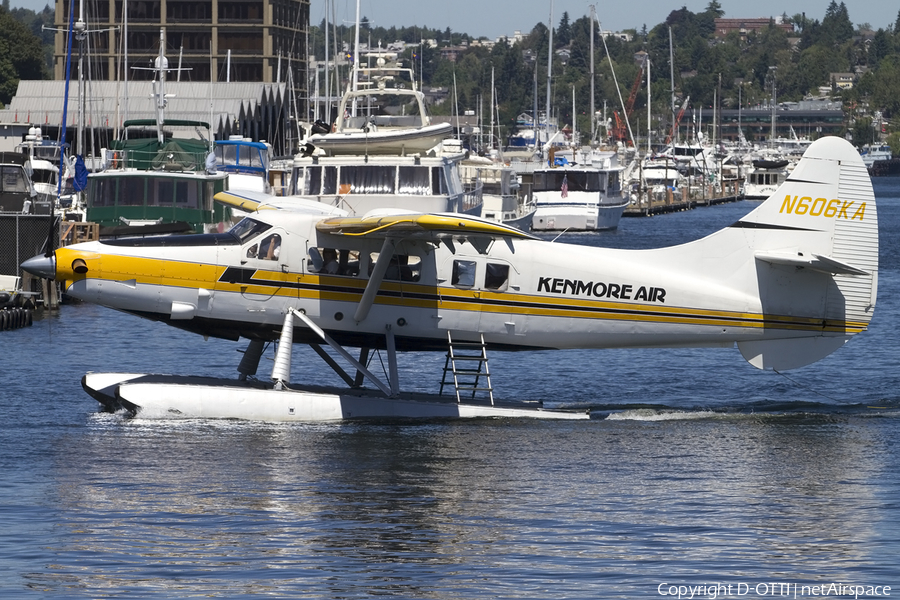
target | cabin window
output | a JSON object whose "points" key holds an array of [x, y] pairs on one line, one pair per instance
{"points": [[438, 183], [268, 249], [102, 192], [496, 276], [162, 192], [14, 180], [414, 180], [332, 261], [329, 180], [402, 267], [246, 229], [463, 273], [132, 191], [614, 185], [313, 180], [368, 179], [43, 176], [187, 194]]}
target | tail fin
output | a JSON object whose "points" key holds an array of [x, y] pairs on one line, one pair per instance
{"points": [[815, 242]]}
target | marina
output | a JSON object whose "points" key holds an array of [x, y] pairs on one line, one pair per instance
{"points": [[333, 334], [700, 469]]}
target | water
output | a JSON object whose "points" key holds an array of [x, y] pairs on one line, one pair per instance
{"points": [[704, 470]]}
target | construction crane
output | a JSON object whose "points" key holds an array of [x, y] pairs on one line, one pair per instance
{"points": [[677, 120], [619, 133]]}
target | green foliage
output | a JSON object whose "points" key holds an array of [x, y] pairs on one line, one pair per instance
{"points": [[21, 55]]}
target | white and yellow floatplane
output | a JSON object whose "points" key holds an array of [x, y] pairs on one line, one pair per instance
{"points": [[789, 283]]}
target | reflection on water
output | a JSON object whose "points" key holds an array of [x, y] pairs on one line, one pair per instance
{"points": [[476, 507]]}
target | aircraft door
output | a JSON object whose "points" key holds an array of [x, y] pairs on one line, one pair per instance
{"points": [[264, 266], [473, 292]]}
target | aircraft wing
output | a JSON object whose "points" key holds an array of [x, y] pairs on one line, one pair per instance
{"points": [[419, 225], [256, 201], [392, 226]]}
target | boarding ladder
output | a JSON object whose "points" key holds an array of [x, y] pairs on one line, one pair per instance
{"points": [[468, 363]]}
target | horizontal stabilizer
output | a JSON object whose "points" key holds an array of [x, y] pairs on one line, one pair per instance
{"points": [[785, 354], [824, 264]]}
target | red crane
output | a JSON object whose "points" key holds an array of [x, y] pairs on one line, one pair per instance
{"points": [[677, 120], [619, 132]]}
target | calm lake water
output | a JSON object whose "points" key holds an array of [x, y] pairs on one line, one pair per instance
{"points": [[703, 471]]}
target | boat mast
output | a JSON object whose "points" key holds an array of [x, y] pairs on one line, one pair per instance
{"points": [[593, 116], [672, 83], [355, 66], [159, 88], [491, 140], [327, 77], [549, 69], [80, 34], [649, 124]]}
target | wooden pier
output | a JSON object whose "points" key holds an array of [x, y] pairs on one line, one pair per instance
{"points": [[692, 197]]}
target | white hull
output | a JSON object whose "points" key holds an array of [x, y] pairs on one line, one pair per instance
{"points": [[577, 218], [398, 142], [168, 397]]}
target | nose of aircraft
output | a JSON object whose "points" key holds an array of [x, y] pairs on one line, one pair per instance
{"points": [[42, 266]]}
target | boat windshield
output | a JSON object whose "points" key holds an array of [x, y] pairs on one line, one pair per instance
{"points": [[576, 181], [248, 228]]}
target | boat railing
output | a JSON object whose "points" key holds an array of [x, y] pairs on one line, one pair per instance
{"points": [[472, 199], [181, 160]]}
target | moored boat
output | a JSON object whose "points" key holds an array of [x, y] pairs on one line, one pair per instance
{"points": [[579, 197]]}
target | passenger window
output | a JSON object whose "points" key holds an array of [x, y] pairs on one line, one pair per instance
{"points": [[463, 273], [403, 267], [332, 261], [496, 276]]}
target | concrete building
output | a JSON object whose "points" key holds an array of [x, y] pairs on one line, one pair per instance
{"points": [[746, 26], [218, 40]]}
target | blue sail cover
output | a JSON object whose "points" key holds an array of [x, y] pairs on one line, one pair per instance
{"points": [[81, 174]]}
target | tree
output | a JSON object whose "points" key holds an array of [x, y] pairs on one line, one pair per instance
{"points": [[564, 31], [714, 9], [21, 56]]}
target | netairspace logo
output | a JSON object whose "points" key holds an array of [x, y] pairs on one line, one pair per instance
{"points": [[713, 591]]}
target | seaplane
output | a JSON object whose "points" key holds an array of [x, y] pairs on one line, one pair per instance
{"points": [[788, 284]]}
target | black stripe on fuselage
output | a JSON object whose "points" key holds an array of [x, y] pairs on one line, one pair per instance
{"points": [[177, 241], [750, 225], [246, 276]]}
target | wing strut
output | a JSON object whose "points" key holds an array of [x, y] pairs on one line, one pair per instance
{"points": [[282, 369], [381, 265]]}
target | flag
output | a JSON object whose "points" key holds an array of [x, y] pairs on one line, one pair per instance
{"points": [[565, 187]]}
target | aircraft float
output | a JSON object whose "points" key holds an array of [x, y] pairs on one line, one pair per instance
{"points": [[789, 283]]}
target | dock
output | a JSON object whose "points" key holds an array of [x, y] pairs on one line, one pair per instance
{"points": [[649, 204]]}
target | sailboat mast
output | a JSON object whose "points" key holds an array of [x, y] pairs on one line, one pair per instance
{"points": [[355, 66], [593, 115], [80, 34], [649, 124], [327, 77], [491, 140], [549, 68], [672, 81]]}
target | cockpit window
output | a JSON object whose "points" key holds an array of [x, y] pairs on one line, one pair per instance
{"points": [[248, 228]]}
